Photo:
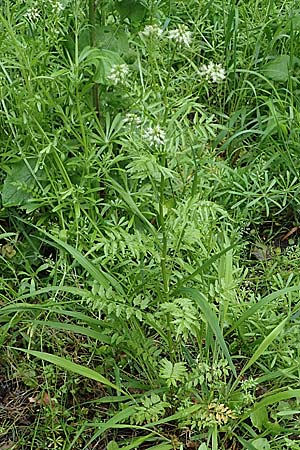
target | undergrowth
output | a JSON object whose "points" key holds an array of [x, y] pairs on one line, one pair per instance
{"points": [[149, 293]]}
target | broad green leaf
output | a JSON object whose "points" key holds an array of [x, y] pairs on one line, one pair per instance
{"points": [[261, 444], [20, 183], [105, 65], [90, 55], [259, 418], [131, 9], [203, 446], [278, 68], [212, 320], [102, 59], [112, 445], [113, 39], [72, 367]]}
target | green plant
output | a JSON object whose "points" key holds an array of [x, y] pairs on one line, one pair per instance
{"points": [[149, 195]]}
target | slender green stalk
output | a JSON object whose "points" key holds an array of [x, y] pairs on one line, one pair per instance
{"points": [[93, 4], [162, 187], [163, 231]]}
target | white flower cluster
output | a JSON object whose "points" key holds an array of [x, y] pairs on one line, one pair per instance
{"points": [[212, 72], [181, 35], [56, 6], [155, 136], [152, 31], [132, 119], [118, 73], [33, 14]]}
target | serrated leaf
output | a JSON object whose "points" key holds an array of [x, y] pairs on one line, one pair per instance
{"points": [[172, 373]]}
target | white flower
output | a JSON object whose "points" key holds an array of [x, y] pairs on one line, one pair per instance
{"points": [[152, 30], [118, 73], [181, 35], [132, 119], [214, 73], [155, 136], [57, 6], [32, 14]]}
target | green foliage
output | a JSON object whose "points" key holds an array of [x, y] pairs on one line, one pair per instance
{"points": [[22, 184], [149, 224], [172, 373], [151, 410]]}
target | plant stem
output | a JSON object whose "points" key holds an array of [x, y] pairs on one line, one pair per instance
{"points": [[163, 162], [93, 43], [163, 230]]}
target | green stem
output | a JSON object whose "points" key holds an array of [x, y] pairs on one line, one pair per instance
{"points": [[92, 22], [163, 162], [93, 43], [214, 443], [163, 230]]}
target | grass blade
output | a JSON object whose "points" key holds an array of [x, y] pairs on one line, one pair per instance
{"points": [[271, 399], [117, 418], [212, 320], [204, 266], [72, 367], [263, 302], [103, 278], [74, 329], [132, 205], [264, 345]]}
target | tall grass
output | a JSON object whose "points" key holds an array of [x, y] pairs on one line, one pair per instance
{"points": [[149, 225]]}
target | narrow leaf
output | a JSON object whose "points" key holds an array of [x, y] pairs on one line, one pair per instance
{"points": [[74, 329], [264, 345], [204, 266], [103, 278], [212, 320], [72, 367], [263, 302], [271, 399], [132, 205], [112, 423]]}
